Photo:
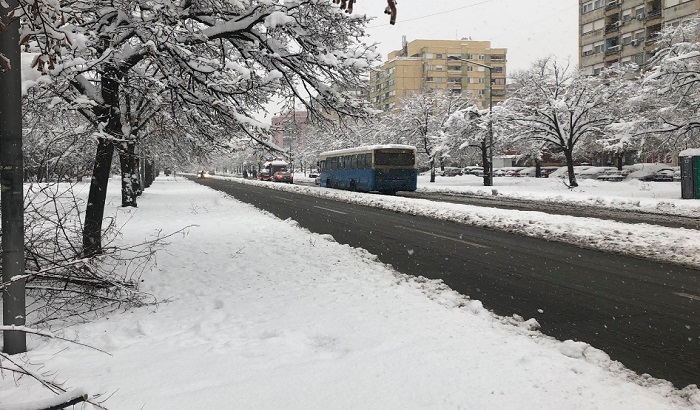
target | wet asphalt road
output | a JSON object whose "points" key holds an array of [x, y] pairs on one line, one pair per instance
{"points": [[643, 313]]}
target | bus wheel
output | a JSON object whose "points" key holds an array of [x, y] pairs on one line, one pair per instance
{"points": [[328, 183]]}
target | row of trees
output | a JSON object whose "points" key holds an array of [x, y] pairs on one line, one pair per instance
{"points": [[552, 109], [123, 80]]}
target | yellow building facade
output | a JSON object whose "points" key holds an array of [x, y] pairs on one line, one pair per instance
{"points": [[469, 68]]}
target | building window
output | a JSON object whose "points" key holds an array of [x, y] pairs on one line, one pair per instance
{"points": [[428, 56], [470, 68], [454, 68], [482, 92], [438, 68], [627, 39], [482, 57], [639, 12], [438, 56], [429, 79], [469, 56], [454, 56], [598, 47], [587, 7]]}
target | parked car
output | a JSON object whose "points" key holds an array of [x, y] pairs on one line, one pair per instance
{"points": [[511, 171], [613, 175], [499, 172], [652, 172], [471, 170], [547, 171], [563, 172], [283, 176], [677, 175], [663, 175], [593, 172], [451, 172], [264, 175], [526, 172]]}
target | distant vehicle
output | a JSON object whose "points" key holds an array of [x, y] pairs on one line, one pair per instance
{"points": [[613, 175], [264, 175], [547, 171], [526, 172], [499, 172], [511, 171], [378, 168], [594, 172], [563, 172], [167, 172], [471, 170], [283, 176], [451, 172], [269, 169], [652, 172]]}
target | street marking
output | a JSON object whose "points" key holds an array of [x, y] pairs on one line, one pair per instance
{"points": [[331, 210], [285, 199], [477, 245], [687, 295]]}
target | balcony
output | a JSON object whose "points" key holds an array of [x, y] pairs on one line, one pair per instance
{"points": [[613, 50], [612, 27], [612, 5], [653, 15]]}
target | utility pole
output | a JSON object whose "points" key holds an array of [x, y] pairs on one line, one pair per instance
{"points": [[11, 179]]}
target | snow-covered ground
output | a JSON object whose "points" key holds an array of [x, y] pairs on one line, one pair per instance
{"points": [[258, 313]]}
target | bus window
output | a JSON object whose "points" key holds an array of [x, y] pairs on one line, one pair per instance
{"points": [[404, 158]]}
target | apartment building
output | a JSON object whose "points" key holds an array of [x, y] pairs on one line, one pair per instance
{"points": [[289, 129], [467, 67], [616, 32]]}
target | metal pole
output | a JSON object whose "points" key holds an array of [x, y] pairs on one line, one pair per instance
{"points": [[11, 180], [490, 179]]}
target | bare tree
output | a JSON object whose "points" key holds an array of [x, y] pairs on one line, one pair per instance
{"points": [[559, 107]]}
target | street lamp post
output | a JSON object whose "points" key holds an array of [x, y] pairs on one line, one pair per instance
{"points": [[488, 170]]}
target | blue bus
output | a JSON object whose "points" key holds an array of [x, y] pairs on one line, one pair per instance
{"points": [[379, 168]]}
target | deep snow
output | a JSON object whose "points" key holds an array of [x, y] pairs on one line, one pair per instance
{"points": [[259, 313]]}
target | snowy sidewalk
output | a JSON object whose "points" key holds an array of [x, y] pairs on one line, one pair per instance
{"points": [[257, 313]]}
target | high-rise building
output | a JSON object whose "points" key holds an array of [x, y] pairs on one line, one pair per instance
{"points": [[289, 129], [457, 66], [617, 32]]}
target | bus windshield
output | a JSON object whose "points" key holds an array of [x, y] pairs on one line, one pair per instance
{"points": [[396, 158]]}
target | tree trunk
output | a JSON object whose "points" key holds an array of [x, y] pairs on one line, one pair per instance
{"points": [[570, 166], [129, 171], [618, 158], [485, 162], [538, 168], [432, 170], [149, 174], [94, 212], [11, 181]]}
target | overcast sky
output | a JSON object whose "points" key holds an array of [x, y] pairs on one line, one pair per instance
{"points": [[529, 29]]}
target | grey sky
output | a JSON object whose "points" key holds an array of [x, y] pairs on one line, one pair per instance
{"points": [[529, 29]]}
